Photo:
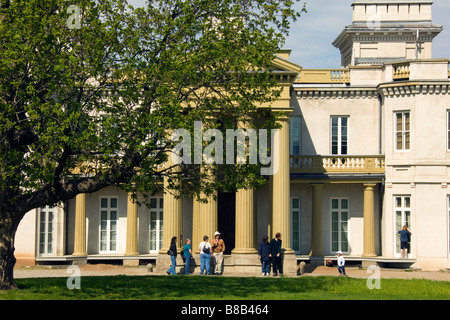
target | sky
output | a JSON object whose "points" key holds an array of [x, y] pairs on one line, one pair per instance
{"points": [[311, 36]]}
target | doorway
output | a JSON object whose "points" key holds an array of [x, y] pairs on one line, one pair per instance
{"points": [[226, 219]]}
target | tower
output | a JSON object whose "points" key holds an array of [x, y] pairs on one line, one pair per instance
{"points": [[387, 30]]}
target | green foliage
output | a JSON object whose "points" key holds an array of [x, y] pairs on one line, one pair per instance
{"points": [[91, 106], [230, 288]]}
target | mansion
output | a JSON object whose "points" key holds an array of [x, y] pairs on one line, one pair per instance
{"points": [[364, 150]]}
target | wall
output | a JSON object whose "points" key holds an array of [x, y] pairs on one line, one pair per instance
{"points": [[363, 132], [25, 240]]}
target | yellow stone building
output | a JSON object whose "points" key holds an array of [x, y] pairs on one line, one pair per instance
{"points": [[363, 151]]}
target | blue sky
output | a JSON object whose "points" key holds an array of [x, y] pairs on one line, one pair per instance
{"points": [[311, 36]]}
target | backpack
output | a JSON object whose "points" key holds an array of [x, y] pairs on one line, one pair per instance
{"points": [[205, 249]]}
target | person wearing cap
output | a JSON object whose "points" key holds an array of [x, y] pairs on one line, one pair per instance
{"points": [[341, 263], [218, 247]]}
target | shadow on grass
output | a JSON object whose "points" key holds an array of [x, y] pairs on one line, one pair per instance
{"points": [[225, 288], [165, 287]]}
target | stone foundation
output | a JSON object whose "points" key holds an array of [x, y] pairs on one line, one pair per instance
{"points": [[234, 265]]}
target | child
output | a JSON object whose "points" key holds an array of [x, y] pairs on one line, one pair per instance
{"points": [[341, 263]]}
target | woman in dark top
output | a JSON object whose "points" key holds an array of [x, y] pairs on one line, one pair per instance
{"points": [[263, 252], [173, 256]]}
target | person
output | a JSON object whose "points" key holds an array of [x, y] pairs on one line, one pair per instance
{"points": [[405, 237], [205, 255], [341, 263], [187, 255], [173, 256], [263, 255], [218, 247], [275, 255]]}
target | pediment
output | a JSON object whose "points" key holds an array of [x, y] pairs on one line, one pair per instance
{"points": [[284, 65]]}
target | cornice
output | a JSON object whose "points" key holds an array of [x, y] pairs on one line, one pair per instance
{"points": [[411, 88], [337, 93]]}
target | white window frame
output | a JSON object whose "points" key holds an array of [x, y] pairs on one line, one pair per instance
{"points": [[448, 224], [339, 134], [109, 230], [159, 223], [448, 130], [44, 229], [404, 132], [295, 134], [340, 210], [403, 209], [298, 223]]}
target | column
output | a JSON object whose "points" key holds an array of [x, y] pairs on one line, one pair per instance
{"points": [[281, 188], [196, 236], [270, 232], [173, 220], [172, 210], [172, 224], [316, 224], [207, 219], [132, 217], [369, 220], [80, 225], [245, 222]]}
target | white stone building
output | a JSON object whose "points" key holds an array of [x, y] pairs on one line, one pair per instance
{"points": [[365, 150]]}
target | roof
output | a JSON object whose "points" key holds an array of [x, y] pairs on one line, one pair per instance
{"points": [[388, 27], [391, 2]]}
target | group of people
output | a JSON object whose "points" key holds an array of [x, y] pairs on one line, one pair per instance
{"points": [[208, 251], [211, 250], [405, 238], [268, 252]]}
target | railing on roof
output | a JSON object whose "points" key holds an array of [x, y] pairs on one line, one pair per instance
{"points": [[324, 76], [337, 164], [401, 71]]}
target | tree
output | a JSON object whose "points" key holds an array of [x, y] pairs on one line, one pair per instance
{"points": [[90, 92]]}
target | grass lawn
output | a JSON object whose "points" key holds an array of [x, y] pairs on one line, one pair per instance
{"points": [[229, 288]]}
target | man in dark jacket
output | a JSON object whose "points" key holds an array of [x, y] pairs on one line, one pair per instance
{"points": [[263, 253], [275, 255]]}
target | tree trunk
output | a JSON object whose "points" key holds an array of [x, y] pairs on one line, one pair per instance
{"points": [[7, 259]]}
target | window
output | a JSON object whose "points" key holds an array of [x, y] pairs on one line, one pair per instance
{"points": [[402, 209], [295, 135], [402, 130], [448, 130], [339, 135], [295, 227], [339, 224], [108, 224], [448, 211], [156, 224], [46, 215]]}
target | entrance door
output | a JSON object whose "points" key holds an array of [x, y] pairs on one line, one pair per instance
{"points": [[226, 216]]}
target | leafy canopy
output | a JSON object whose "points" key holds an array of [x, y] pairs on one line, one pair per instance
{"points": [[92, 105]]}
